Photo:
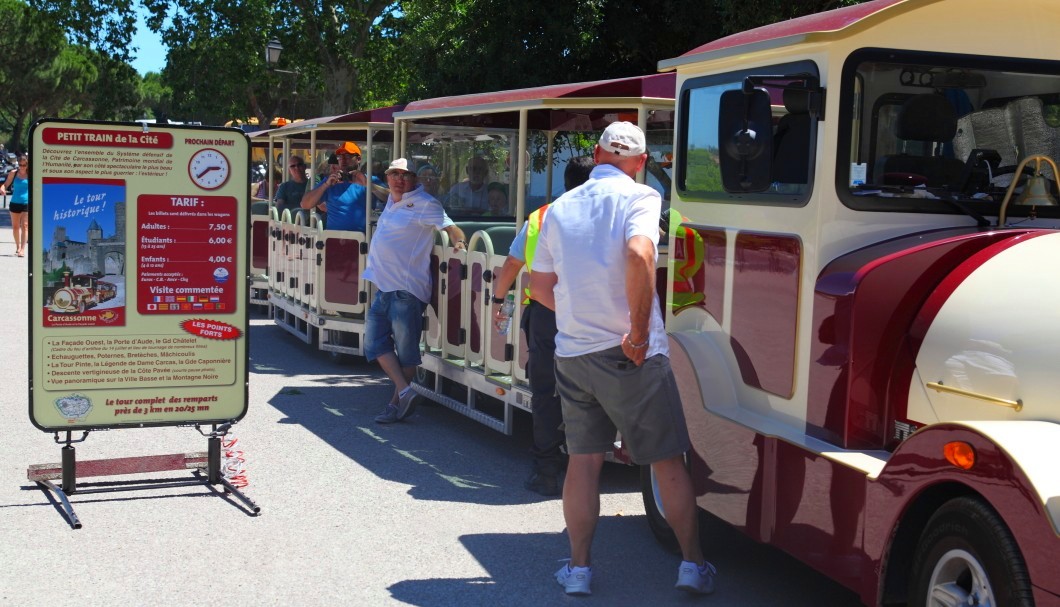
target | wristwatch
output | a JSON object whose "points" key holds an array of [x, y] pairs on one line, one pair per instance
{"points": [[497, 300]]}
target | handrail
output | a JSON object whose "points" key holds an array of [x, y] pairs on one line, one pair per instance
{"points": [[993, 400], [485, 238]]}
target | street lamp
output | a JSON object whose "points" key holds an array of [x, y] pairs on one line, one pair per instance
{"points": [[273, 49], [272, 56], [272, 52]]}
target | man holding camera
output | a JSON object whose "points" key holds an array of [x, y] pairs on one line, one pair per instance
{"points": [[342, 196]]}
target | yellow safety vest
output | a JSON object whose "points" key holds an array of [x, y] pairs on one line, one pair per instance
{"points": [[533, 230]]}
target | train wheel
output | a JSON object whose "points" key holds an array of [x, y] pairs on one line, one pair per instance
{"points": [[967, 556], [649, 489]]}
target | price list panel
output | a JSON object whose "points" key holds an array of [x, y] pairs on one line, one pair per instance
{"points": [[187, 246]]}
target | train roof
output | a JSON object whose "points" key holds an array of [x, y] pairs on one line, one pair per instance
{"points": [[574, 106], [786, 33], [335, 127]]}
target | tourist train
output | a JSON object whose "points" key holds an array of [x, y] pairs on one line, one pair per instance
{"points": [[856, 278], [80, 292]]}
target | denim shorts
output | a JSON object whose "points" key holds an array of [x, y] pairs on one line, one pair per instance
{"points": [[602, 392], [394, 323]]}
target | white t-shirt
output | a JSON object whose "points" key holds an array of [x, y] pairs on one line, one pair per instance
{"points": [[583, 241], [399, 258]]}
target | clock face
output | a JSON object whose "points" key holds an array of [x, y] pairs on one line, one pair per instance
{"points": [[209, 169]]}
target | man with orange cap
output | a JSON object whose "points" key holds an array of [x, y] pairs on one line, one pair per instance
{"points": [[343, 195]]}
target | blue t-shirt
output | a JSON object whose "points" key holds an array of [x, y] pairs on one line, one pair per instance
{"points": [[345, 207], [20, 190]]}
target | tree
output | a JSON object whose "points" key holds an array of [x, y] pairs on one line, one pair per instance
{"points": [[45, 75], [486, 45], [739, 15], [215, 65], [116, 94], [156, 99]]}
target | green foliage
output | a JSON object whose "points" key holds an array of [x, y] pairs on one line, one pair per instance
{"points": [[738, 15], [155, 97], [343, 55], [703, 171]]}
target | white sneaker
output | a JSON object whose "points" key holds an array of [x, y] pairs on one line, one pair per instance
{"points": [[695, 579], [575, 580]]}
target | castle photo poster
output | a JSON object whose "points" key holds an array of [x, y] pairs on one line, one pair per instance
{"points": [[83, 253]]}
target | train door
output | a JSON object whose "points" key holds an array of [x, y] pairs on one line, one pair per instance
{"points": [[314, 262], [341, 282], [276, 269]]}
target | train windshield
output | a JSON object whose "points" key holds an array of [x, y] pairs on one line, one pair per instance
{"points": [[946, 133]]}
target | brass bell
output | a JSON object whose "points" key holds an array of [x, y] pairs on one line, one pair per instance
{"points": [[1036, 192]]}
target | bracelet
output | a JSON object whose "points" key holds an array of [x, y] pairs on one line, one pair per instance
{"points": [[497, 300], [638, 346]]}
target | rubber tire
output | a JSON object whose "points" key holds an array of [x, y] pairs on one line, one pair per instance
{"points": [[967, 523], [656, 521]]}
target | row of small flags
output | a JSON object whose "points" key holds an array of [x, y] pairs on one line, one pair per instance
{"points": [[172, 307], [185, 299]]}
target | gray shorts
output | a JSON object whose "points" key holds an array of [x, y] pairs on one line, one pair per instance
{"points": [[604, 391]]}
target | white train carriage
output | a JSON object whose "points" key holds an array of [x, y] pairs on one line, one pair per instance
{"points": [[316, 290], [523, 139], [863, 300]]}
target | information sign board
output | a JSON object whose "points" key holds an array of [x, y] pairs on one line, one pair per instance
{"points": [[138, 262]]}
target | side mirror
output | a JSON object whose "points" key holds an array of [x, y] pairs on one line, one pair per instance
{"points": [[745, 134]]}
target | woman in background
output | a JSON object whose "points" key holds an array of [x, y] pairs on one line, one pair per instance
{"points": [[17, 183]]}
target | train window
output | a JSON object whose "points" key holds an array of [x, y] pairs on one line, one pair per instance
{"points": [[474, 175], [924, 127], [699, 172]]}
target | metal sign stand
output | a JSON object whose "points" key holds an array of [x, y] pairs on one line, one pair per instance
{"points": [[44, 474]]}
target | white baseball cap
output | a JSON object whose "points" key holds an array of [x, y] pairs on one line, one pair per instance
{"points": [[398, 165], [624, 139]]}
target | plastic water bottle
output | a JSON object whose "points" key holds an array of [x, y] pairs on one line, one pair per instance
{"points": [[507, 309]]}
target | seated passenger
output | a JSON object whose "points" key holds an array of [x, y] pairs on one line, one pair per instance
{"points": [[289, 194], [498, 200], [470, 196], [428, 176], [262, 191]]}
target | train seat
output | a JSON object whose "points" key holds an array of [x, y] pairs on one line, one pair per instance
{"points": [[1017, 125], [927, 119], [791, 143], [501, 237]]}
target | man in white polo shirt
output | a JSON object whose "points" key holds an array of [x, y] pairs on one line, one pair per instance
{"points": [[399, 261], [595, 266]]}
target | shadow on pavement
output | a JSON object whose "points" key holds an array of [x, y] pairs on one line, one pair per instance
{"points": [[443, 455], [629, 569]]}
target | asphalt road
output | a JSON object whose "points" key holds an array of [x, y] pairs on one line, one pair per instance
{"points": [[429, 512]]}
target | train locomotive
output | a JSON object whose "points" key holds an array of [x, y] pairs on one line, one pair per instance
{"points": [[81, 292]]}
